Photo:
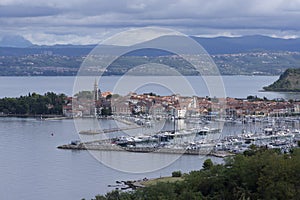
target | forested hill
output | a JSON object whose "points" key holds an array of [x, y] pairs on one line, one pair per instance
{"points": [[289, 81]]}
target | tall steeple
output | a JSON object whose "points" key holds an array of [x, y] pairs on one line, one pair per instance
{"points": [[96, 94]]}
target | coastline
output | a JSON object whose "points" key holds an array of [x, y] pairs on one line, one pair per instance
{"points": [[40, 116]]}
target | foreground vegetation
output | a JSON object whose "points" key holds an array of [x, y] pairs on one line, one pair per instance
{"points": [[33, 104], [162, 179], [258, 174]]}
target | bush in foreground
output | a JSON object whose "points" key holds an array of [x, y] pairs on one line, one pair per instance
{"points": [[176, 174]]}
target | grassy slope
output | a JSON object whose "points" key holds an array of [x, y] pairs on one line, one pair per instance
{"points": [[162, 179]]}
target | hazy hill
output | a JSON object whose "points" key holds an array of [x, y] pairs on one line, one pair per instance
{"points": [[14, 41], [289, 81], [218, 45], [224, 45]]}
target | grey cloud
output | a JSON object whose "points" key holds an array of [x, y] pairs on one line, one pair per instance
{"points": [[27, 11], [66, 17]]}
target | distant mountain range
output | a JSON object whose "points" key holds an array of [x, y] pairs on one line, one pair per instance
{"points": [[17, 45], [223, 45], [14, 41]]}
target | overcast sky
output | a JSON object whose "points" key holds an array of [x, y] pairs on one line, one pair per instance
{"points": [[90, 21]]}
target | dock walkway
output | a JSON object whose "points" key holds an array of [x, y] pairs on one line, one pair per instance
{"points": [[95, 132]]}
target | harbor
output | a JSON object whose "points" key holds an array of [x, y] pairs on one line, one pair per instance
{"points": [[200, 138]]}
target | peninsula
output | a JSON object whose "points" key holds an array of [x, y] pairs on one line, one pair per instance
{"points": [[33, 105], [289, 81]]}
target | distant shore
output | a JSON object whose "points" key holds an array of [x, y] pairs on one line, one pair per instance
{"points": [[37, 117], [32, 115]]}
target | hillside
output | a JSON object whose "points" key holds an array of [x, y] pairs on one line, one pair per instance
{"points": [[289, 81], [247, 55], [48, 64], [16, 41], [224, 45]]}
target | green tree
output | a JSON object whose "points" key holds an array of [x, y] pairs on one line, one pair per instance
{"points": [[207, 164], [176, 174], [106, 111]]}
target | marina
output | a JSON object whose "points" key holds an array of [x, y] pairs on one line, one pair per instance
{"points": [[208, 139]]}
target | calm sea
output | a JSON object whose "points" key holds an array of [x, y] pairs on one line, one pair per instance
{"points": [[234, 86], [31, 167]]}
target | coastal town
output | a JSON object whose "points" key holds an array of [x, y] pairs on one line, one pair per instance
{"points": [[96, 104], [202, 120]]}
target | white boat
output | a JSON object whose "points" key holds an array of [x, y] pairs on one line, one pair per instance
{"points": [[207, 130]]}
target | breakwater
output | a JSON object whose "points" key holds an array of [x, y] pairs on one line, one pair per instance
{"points": [[95, 132], [112, 147]]}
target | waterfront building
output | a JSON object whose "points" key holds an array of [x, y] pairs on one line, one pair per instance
{"points": [[121, 106]]}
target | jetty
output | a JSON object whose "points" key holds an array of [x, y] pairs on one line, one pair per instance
{"points": [[164, 150], [111, 130]]}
